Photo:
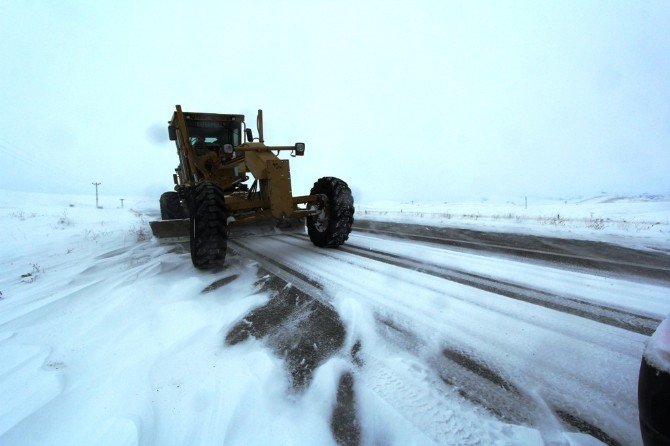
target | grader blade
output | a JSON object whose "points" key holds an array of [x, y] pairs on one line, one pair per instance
{"points": [[168, 231], [171, 230]]}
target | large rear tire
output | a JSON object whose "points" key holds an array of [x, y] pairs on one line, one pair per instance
{"points": [[332, 226], [171, 206], [209, 230], [653, 394], [653, 388]]}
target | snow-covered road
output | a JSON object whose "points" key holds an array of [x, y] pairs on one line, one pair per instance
{"points": [[108, 337], [584, 370]]}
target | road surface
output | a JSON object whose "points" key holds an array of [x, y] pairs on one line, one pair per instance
{"points": [[540, 332]]}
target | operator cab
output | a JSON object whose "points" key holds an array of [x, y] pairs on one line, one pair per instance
{"points": [[205, 135], [209, 131]]}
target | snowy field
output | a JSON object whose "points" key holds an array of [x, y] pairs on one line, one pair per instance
{"points": [[108, 337], [635, 221]]}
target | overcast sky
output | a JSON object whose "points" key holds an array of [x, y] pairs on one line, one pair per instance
{"points": [[423, 100]]}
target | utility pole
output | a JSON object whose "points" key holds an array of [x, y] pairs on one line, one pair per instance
{"points": [[121, 202], [96, 193]]}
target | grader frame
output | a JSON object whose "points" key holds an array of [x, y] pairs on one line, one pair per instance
{"points": [[273, 197], [211, 198]]}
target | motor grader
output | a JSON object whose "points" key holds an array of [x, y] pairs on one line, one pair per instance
{"points": [[212, 199]]}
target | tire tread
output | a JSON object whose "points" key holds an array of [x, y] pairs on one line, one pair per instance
{"points": [[209, 231]]}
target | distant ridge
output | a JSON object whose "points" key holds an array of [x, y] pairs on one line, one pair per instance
{"points": [[644, 197]]}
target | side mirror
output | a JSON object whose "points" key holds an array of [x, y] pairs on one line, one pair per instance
{"points": [[172, 133], [299, 149], [250, 135]]}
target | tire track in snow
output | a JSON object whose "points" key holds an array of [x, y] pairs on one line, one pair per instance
{"points": [[599, 313], [569, 305], [564, 390], [589, 254], [477, 382], [438, 420]]}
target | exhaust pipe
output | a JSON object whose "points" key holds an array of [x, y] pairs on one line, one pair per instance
{"points": [[259, 126]]}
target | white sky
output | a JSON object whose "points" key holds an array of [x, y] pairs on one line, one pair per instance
{"points": [[426, 100]]}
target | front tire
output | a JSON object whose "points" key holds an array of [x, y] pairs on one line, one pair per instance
{"points": [[209, 229], [332, 226], [171, 206]]}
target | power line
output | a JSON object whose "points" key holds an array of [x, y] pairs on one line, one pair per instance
{"points": [[33, 162]]}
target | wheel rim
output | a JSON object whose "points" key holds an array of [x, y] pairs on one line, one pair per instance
{"points": [[320, 220]]}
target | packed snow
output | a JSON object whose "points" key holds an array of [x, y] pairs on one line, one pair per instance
{"points": [[108, 337]]}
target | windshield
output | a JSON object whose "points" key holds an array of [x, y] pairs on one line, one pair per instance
{"points": [[214, 133]]}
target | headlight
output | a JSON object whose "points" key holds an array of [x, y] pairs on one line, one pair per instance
{"points": [[228, 149], [299, 148]]}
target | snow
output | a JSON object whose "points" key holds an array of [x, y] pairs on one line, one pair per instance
{"points": [[643, 299], [534, 349], [636, 221], [106, 335], [657, 352]]}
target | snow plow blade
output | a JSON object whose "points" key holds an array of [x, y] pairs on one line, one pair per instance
{"points": [[178, 230], [171, 230]]}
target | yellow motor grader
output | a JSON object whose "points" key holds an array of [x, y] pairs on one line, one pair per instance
{"points": [[212, 199]]}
